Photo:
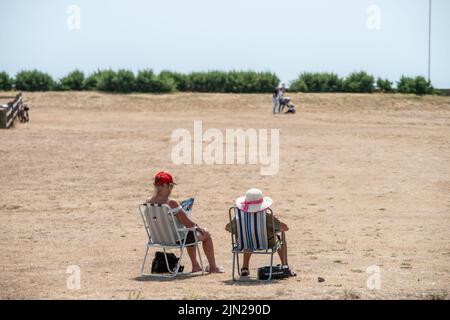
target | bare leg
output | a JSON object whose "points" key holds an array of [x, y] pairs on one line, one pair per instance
{"points": [[192, 252], [275, 105], [282, 252], [208, 248], [246, 260]]}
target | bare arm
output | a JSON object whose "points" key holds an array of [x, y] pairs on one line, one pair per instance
{"points": [[181, 215], [283, 226]]}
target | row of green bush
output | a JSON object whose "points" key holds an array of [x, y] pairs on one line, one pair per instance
{"points": [[231, 82], [358, 82], [125, 81]]}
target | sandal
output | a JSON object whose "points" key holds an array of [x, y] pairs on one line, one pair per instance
{"points": [[245, 272], [220, 269], [290, 271]]}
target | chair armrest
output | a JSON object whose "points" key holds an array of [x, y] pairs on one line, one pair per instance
{"points": [[187, 229]]}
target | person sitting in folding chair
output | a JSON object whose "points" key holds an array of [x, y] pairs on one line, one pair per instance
{"points": [[248, 231], [163, 188]]}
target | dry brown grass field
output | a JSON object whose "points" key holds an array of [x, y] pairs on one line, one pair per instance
{"points": [[364, 180]]}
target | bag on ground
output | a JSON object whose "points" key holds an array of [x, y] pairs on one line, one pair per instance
{"points": [[159, 264], [278, 272]]}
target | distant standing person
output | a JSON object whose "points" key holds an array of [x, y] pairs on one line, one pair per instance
{"points": [[281, 90], [275, 99]]}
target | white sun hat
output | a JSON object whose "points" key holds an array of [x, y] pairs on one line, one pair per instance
{"points": [[253, 201]]}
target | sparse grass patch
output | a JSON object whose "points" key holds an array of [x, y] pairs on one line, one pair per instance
{"points": [[437, 295], [192, 295], [357, 270], [405, 265], [350, 294], [135, 295]]}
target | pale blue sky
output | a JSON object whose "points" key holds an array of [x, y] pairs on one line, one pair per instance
{"points": [[283, 36]]}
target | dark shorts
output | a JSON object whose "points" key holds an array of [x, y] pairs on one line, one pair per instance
{"points": [[190, 238]]}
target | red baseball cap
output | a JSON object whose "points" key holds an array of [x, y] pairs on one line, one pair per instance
{"points": [[163, 178]]}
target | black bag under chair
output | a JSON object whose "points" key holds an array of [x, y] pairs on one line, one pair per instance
{"points": [[278, 272], [159, 264]]}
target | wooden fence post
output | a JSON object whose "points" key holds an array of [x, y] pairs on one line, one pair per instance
{"points": [[9, 112]]}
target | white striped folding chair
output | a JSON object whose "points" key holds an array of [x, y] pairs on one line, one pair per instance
{"points": [[252, 235], [165, 232]]}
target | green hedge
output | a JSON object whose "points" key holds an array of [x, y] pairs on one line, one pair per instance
{"points": [[6, 82], [122, 81], [384, 85], [125, 81], [359, 82], [91, 82], [148, 81], [331, 82], [73, 81], [225, 82], [317, 82], [418, 85], [180, 81], [34, 80]]}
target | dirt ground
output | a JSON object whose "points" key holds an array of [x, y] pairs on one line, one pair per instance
{"points": [[364, 180]]}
